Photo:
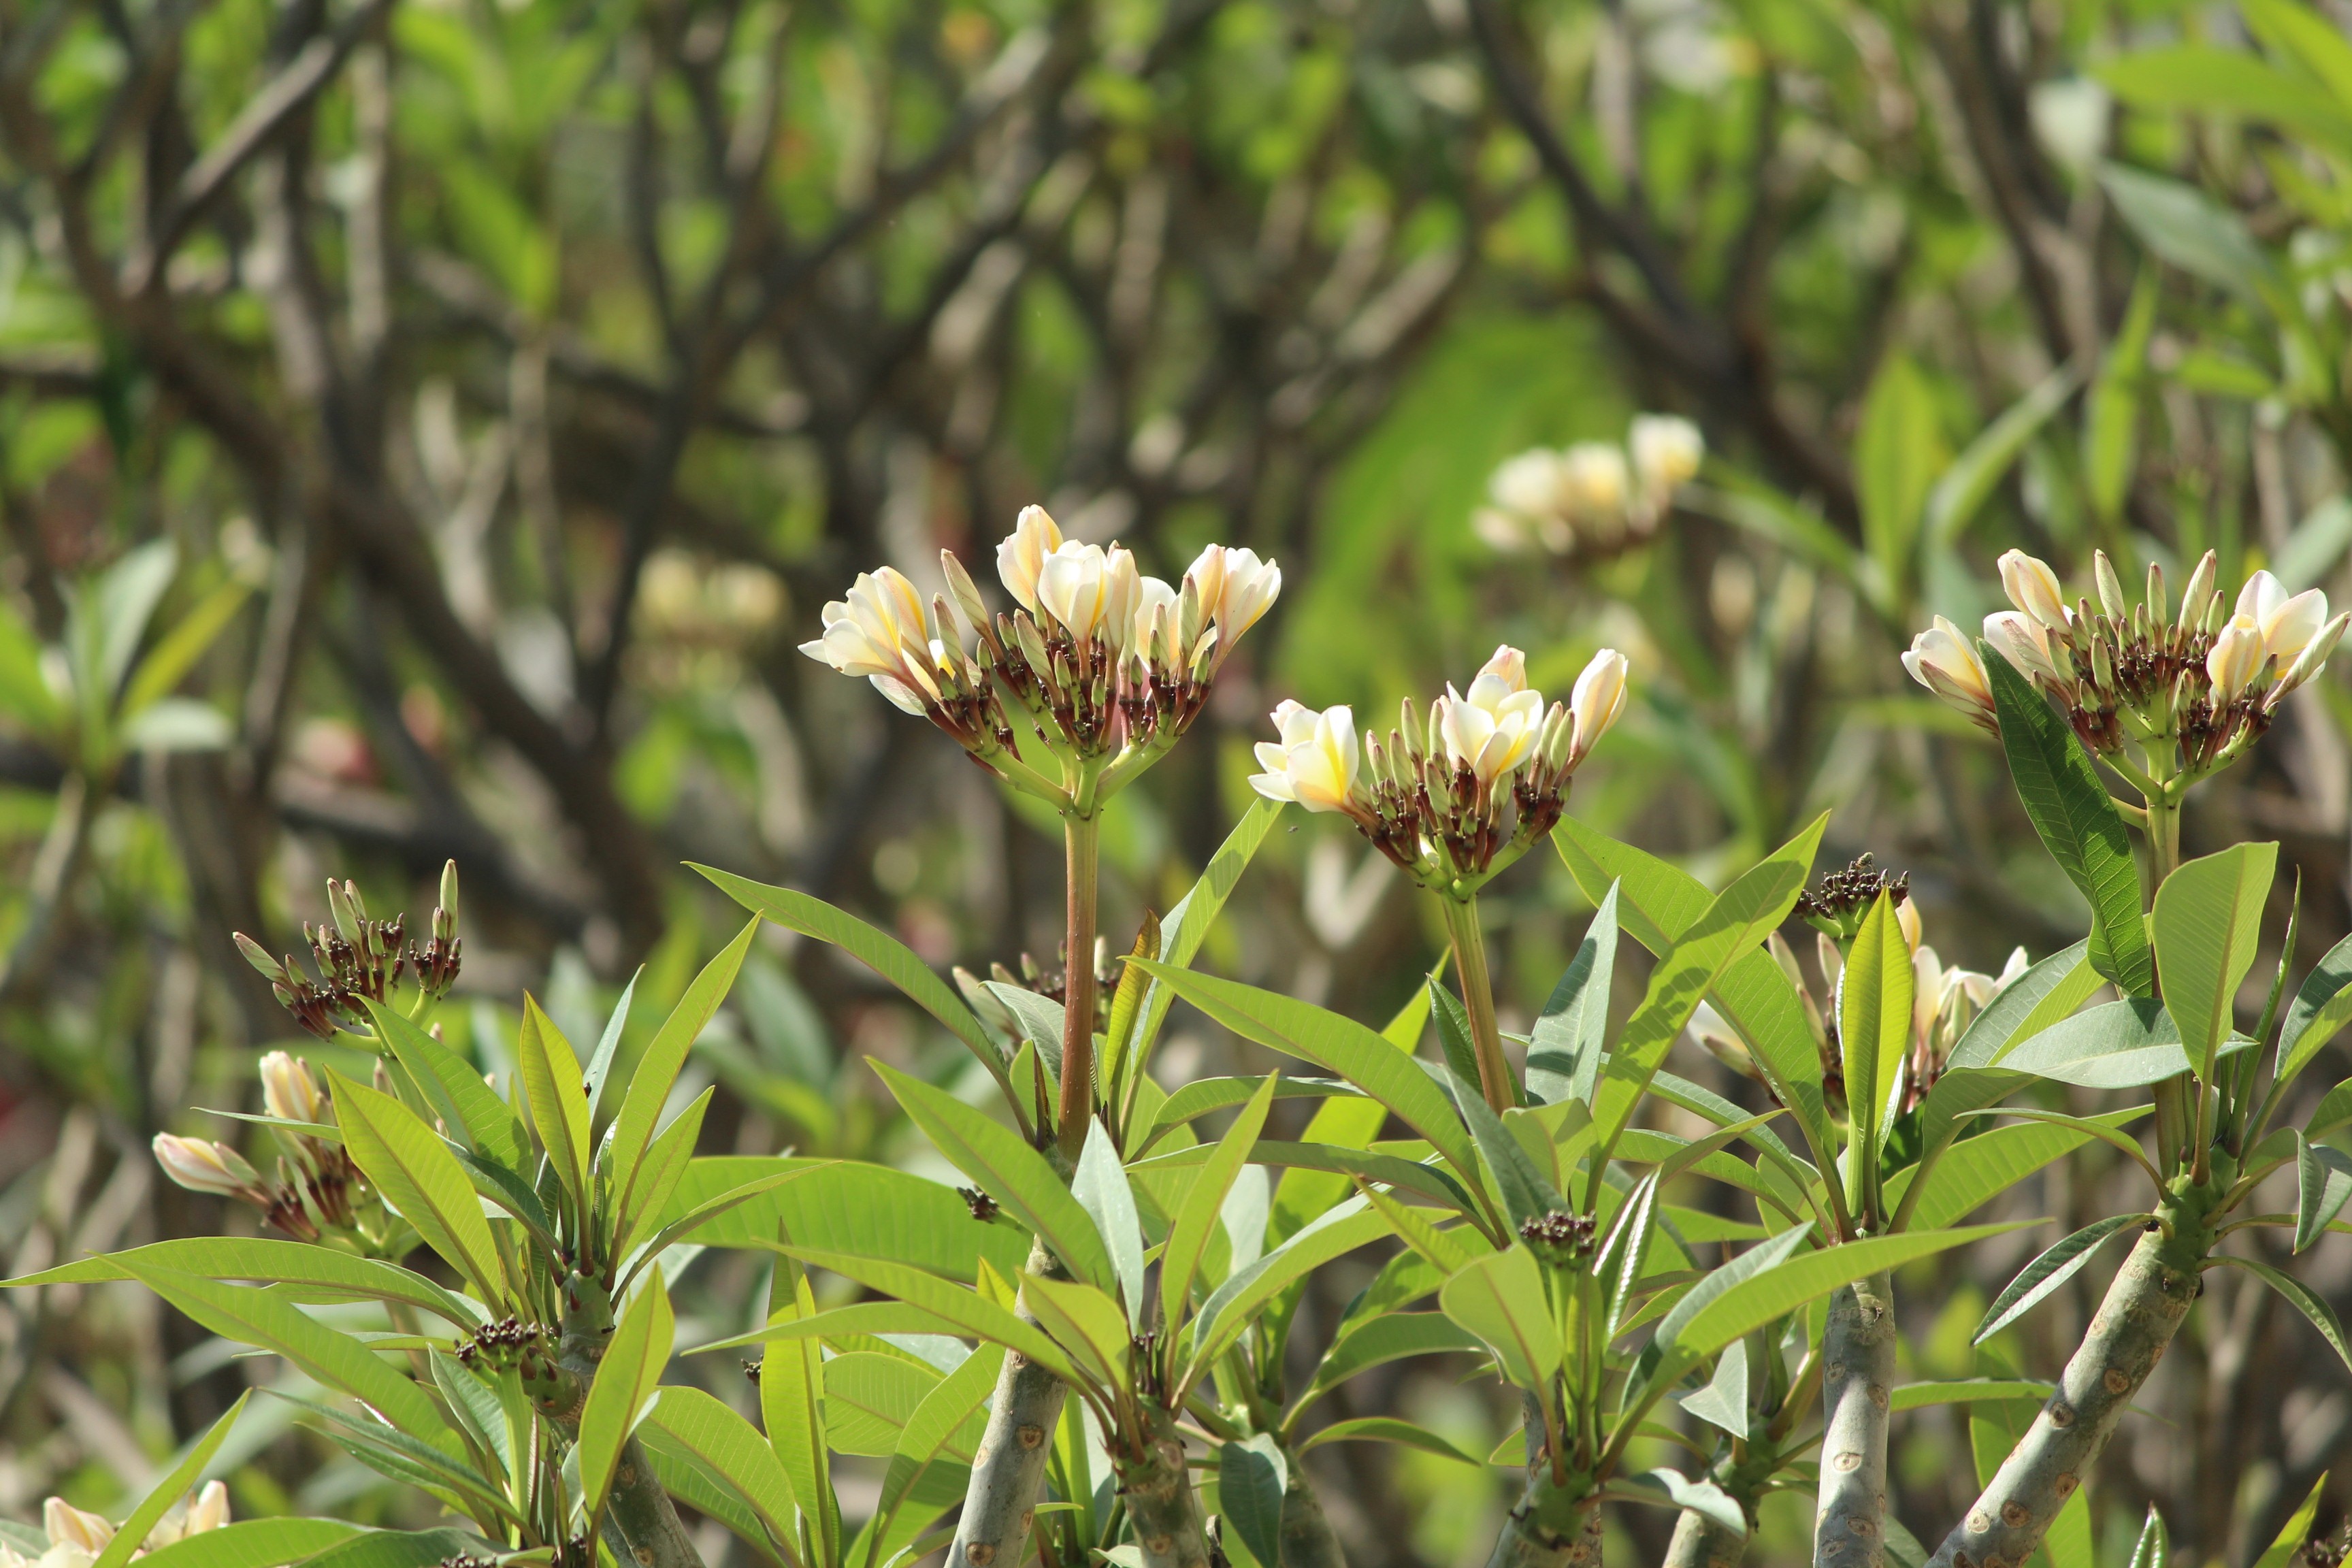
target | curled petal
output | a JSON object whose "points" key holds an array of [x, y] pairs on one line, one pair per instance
{"points": [[1022, 553], [2034, 588]]}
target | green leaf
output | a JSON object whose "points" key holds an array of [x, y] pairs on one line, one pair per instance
{"points": [[2048, 1271], [883, 953], [869, 1398], [846, 1205], [1251, 1474], [2202, 79], [695, 1219], [1953, 504], [298, 1270], [971, 1313], [2045, 993], [2154, 1549], [649, 1085], [666, 1161], [558, 1098], [414, 1171], [2207, 923], [1724, 1401], [1008, 1170], [2301, 35], [1734, 924], [1670, 1488], [2078, 822], [2118, 1045], [1386, 1429], [1564, 1049], [1980, 1169], [1527, 1192], [1187, 925], [1782, 1288], [1336, 1045], [2292, 1535], [1874, 1029], [463, 1102], [1966, 1391], [1085, 1322], [1389, 1337], [1229, 1309], [1619, 1262], [791, 1406], [1661, 903], [131, 1533], [253, 1543], [626, 1378], [1204, 1096], [2322, 1315], [1100, 1186], [2322, 1006], [1898, 451], [400, 1549], [942, 1433], [1501, 1299], [2323, 1183], [257, 1318], [1196, 1222], [2111, 414]]}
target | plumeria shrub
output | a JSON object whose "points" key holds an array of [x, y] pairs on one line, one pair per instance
{"points": [[1090, 1346]]}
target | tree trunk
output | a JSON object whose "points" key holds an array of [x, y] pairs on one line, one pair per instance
{"points": [[1857, 1382]]}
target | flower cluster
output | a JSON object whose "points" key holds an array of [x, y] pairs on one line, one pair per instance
{"points": [[1944, 1001], [1594, 498], [2193, 686], [361, 960], [1432, 798], [1836, 907], [499, 1346], [1103, 661], [319, 1194], [76, 1537]]}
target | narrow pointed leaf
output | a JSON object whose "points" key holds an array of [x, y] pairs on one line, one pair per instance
{"points": [[649, 1083], [1196, 1223], [558, 1098], [1565, 1048], [1100, 1186], [131, 1533], [2047, 1272], [2208, 921], [626, 1378], [414, 1171]]}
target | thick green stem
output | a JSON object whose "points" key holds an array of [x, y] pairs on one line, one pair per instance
{"points": [[1478, 999], [1079, 836], [2144, 1308], [640, 1506], [1160, 1500], [1010, 1463], [1549, 1527], [1307, 1540], [1701, 1542], [1857, 1383]]}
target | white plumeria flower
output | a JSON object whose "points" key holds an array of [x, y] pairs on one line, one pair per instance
{"points": [[1530, 484], [193, 1515], [1022, 554], [1594, 703], [879, 631], [1314, 763], [1940, 659], [2026, 643], [1492, 729], [2288, 624], [1667, 451], [1236, 590], [201, 1166], [289, 1091], [2237, 657], [1595, 479], [75, 1528], [2034, 588], [1074, 586], [1155, 601]]}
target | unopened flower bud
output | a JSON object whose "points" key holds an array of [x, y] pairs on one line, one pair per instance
{"points": [[2314, 653], [2111, 587], [1942, 660], [288, 1090], [2024, 641], [1595, 702], [2034, 588], [2196, 595], [259, 956], [203, 1166], [77, 1528], [343, 905], [966, 591], [445, 913]]}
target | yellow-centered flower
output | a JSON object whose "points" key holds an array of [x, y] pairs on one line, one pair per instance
{"points": [[1315, 762]]}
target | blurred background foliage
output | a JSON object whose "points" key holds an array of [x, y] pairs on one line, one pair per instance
{"points": [[428, 429]]}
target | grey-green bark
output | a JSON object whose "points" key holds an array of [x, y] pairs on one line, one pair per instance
{"points": [[2144, 1308], [1010, 1463], [1857, 1383], [1307, 1540], [1542, 1533], [640, 1506], [1700, 1542], [1161, 1502]]}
